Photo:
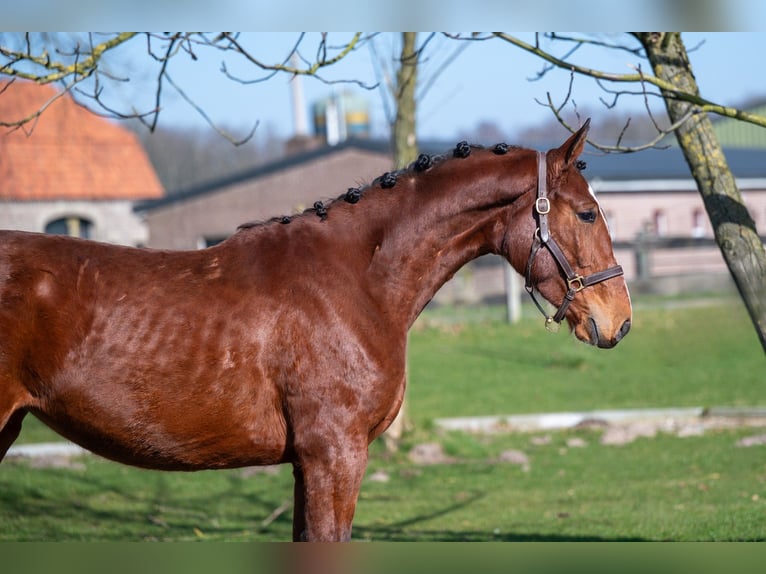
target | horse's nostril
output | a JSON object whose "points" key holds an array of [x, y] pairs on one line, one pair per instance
{"points": [[593, 331], [623, 330]]}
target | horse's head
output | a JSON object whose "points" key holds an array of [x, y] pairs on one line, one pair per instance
{"points": [[571, 262]]}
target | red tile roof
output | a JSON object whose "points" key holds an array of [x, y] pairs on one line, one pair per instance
{"points": [[71, 152]]}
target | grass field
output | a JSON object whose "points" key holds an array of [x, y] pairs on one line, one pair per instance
{"points": [[675, 355], [666, 488], [470, 363]]}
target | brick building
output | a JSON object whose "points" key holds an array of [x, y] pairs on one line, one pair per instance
{"points": [[70, 171], [206, 214]]}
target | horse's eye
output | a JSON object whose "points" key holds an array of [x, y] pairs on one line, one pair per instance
{"points": [[587, 216]]}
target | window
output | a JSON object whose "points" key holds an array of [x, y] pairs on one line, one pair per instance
{"points": [[73, 226]]}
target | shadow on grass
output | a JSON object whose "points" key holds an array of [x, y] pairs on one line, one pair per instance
{"points": [[400, 531], [385, 534], [61, 504]]}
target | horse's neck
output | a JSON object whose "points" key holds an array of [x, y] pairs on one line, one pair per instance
{"points": [[436, 229]]}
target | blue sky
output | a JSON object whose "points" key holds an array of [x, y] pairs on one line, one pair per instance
{"points": [[488, 81]]}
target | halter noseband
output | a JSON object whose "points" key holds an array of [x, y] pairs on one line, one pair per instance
{"points": [[542, 238]]}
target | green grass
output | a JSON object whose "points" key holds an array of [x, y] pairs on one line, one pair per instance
{"points": [[664, 488], [104, 501], [673, 357]]}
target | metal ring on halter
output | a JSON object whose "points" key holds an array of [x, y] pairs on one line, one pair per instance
{"points": [[551, 326], [576, 283]]}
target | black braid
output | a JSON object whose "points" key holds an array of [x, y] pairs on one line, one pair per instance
{"points": [[387, 180], [423, 162], [284, 219], [320, 209], [462, 149], [581, 165], [501, 148], [353, 195]]}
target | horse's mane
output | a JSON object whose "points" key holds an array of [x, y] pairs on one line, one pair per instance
{"points": [[423, 163]]}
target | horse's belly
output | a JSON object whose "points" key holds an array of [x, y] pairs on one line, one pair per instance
{"points": [[169, 431], [162, 451]]}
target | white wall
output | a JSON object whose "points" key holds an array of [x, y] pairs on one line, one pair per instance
{"points": [[113, 221]]}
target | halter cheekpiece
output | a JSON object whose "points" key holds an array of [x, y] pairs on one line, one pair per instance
{"points": [[542, 238]]}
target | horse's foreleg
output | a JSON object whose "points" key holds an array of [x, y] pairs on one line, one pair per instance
{"points": [[326, 490]]}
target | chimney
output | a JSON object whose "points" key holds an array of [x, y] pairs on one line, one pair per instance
{"points": [[300, 120], [301, 139]]}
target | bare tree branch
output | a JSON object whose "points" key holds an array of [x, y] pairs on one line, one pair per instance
{"points": [[668, 89], [665, 89], [37, 58], [54, 70], [211, 123], [618, 147], [312, 68], [582, 41], [446, 62]]}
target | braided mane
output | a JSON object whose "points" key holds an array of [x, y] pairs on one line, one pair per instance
{"points": [[388, 180]]}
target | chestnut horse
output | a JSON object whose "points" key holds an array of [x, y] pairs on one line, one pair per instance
{"points": [[286, 343]]}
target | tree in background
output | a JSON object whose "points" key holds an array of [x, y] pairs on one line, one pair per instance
{"points": [[405, 90], [733, 225], [404, 126], [405, 150]]}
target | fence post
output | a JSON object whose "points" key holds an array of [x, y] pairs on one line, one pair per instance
{"points": [[512, 294], [642, 249]]}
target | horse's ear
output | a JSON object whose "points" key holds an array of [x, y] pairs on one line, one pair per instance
{"points": [[571, 149]]}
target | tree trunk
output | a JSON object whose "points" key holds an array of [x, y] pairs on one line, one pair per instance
{"points": [[733, 225], [404, 140], [405, 151]]}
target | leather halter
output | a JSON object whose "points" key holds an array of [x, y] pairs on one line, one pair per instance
{"points": [[542, 238]]}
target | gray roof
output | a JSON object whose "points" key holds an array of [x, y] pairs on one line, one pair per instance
{"points": [[669, 164], [282, 164]]}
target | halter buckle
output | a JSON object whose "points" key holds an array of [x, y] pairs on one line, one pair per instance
{"points": [[576, 283], [543, 205]]}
